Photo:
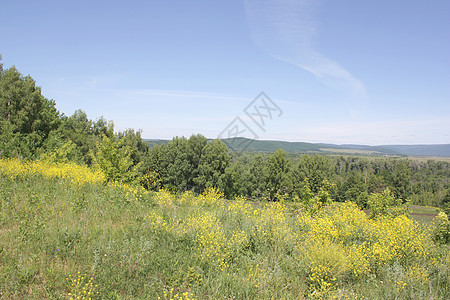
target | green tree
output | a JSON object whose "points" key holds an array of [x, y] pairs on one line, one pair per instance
{"points": [[113, 157], [277, 179], [354, 188], [316, 168], [213, 162], [177, 165], [83, 132], [155, 161], [133, 140], [64, 153], [315, 202], [441, 232], [400, 180], [234, 181], [445, 204], [196, 143], [254, 178], [26, 117], [385, 204]]}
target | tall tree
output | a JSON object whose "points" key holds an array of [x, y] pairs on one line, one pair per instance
{"points": [[254, 178], [155, 161], [133, 139], [114, 158], [213, 162], [316, 168], [235, 180], [196, 143], [178, 166], [277, 180], [85, 133], [26, 117], [400, 180]]}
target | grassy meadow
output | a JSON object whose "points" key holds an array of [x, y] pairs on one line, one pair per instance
{"points": [[64, 234]]}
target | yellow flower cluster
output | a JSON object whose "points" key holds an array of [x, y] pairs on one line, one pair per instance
{"points": [[187, 198], [215, 244], [81, 287], [210, 237], [131, 192], [327, 261], [157, 223], [338, 243], [240, 207], [322, 282], [172, 295], [164, 198], [270, 224], [210, 197], [397, 238], [76, 174], [343, 240]]}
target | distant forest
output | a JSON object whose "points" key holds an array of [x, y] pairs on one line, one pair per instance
{"points": [[31, 127]]}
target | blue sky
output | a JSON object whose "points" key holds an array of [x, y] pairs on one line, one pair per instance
{"points": [[362, 72]]}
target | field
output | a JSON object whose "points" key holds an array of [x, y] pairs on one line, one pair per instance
{"points": [[427, 158], [350, 151], [424, 214], [65, 234]]}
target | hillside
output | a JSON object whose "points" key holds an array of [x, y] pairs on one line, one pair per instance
{"points": [[421, 150], [67, 235], [243, 144]]}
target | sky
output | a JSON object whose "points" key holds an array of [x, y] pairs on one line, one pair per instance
{"points": [[344, 72]]}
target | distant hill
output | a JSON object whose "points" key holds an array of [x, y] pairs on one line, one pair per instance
{"points": [[421, 150], [152, 143], [243, 144], [240, 144]]}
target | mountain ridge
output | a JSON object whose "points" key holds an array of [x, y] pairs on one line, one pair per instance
{"points": [[240, 144]]}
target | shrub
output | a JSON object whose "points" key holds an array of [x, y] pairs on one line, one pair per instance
{"points": [[442, 230], [385, 204]]}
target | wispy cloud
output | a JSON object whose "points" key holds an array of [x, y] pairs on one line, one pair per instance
{"points": [[286, 30]]}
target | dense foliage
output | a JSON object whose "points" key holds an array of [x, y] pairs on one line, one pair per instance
{"points": [[26, 117], [275, 176]]}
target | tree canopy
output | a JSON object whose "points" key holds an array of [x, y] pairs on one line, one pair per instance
{"points": [[26, 117]]}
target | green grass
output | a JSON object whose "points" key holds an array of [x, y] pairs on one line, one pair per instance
{"points": [[428, 210], [55, 237], [424, 214], [427, 158]]}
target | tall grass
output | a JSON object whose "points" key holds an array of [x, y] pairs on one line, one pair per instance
{"points": [[61, 239]]}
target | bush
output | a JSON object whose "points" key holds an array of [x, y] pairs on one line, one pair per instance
{"points": [[442, 230], [385, 204]]}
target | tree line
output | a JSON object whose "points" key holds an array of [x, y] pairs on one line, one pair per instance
{"points": [[274, 176], [31, 127]]}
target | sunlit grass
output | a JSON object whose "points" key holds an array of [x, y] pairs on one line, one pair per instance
{"points": [[61, 239], [79, 175]]}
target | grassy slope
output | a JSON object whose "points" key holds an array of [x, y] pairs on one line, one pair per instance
{"points": [[53, 232]]}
